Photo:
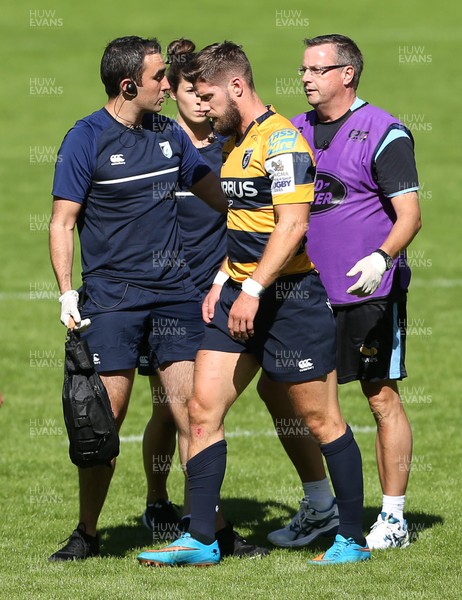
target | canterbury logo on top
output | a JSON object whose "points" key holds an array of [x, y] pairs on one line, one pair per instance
{"points": [[271, 165]]}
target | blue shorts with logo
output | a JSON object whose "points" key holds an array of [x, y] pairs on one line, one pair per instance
{"points": [[123, 317], [295, 334], [147, 366]]}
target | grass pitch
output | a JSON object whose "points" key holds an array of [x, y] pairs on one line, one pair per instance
{"points": [[52, 56]]}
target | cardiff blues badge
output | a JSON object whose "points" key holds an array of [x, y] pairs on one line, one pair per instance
{"points": [[166, 149], [246, 158]]}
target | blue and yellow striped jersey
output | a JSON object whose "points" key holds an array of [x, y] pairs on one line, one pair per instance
{"points": [[271, 164]]}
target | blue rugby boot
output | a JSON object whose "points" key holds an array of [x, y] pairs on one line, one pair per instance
{"points": [[342, 551], [182, 552]]}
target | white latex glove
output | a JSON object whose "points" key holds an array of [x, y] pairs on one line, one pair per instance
{"points": [[69, 301], [372, 268]]}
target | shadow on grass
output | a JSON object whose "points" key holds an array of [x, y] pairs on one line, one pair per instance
{"points": [[246, 514], [253, 519], [123, 539]]}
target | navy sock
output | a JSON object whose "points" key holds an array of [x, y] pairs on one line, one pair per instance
{"points": [[344, 462], [205, 471]]}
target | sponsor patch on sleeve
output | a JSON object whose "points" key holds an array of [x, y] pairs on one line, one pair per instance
{"points": [[281, 172], [281, 141]]}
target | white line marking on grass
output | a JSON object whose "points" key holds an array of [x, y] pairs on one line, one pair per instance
{"points": [[240, 433], [14, 295], [435, 283], [363, 429], [131, 438], [440, 282]]}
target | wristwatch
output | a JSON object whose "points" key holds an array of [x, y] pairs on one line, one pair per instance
{"points": [[387, 257]]}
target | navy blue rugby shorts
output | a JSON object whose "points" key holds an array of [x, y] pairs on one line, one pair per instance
{"points": [[124, 317], [295, 333], [146, 365]]}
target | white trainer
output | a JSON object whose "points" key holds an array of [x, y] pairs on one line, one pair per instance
{"points": [[388, 532], [306, 526]]}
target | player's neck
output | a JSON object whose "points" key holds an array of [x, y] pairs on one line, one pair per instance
{"points": [[250, 111], [334, 110], [124, 112], [200, 134]]}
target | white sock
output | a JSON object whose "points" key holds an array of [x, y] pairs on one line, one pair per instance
{"points": [[395, 505], [319, 494]]}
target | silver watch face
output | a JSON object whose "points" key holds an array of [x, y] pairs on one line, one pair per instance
{"points": [[388, 259], [389, 263]]}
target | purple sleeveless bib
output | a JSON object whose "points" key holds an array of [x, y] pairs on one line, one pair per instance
{"points": [[350, 217]]}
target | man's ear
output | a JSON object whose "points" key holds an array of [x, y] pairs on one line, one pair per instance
{"points": [[236, 86], [348, 75], [128, 88]]}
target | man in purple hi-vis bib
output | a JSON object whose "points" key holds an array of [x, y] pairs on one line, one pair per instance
{"points": [[365, 213]]}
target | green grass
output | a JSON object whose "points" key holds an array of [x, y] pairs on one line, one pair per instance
{"points": [[37, 481]]}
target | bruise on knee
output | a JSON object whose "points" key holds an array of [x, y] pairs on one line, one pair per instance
{"points": [[380, 408]]}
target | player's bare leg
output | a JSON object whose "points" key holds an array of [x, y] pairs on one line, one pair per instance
{"points": [[302, 450], [177, 380], [315, 403], [160, 434], [214, 393], [171, 390], [219, 378], [159, 443], [394, 435], [317, 514], [394, 455], [94, 481]]}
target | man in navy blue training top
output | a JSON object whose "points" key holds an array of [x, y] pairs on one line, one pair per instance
{"points": [[116, 181]]}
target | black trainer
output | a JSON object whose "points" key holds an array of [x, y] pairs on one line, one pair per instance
{"points": [[162, 518], [79, 546], [233, 544]]}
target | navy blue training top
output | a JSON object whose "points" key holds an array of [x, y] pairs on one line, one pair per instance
{"points": [[203, 230], [126, 181]]}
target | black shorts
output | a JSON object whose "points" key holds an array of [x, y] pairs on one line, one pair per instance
{"points": [[371, 340], [124, 316], [294, 329]]}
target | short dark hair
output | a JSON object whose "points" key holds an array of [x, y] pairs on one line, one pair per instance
{"points": [[217, 61], [347, 51], [124, 58], [180, 53]]}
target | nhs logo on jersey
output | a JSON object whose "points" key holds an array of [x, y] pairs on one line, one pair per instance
{"points": [[281, 141], [166, 149]]}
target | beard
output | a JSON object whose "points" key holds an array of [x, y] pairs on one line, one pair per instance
{"points": [[230, 121]]}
